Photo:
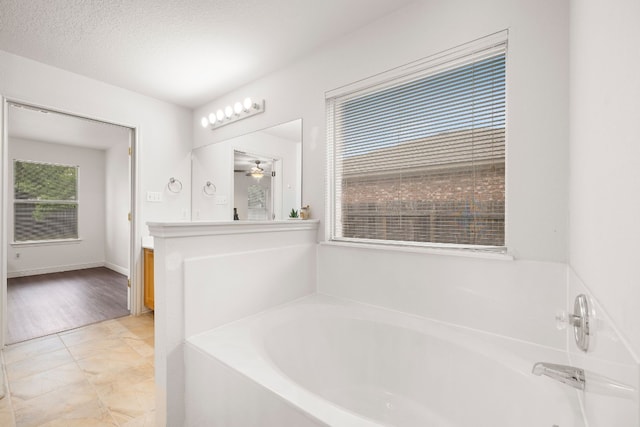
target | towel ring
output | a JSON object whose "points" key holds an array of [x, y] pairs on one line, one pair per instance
{"points": [[174, 185], [209, 189]]}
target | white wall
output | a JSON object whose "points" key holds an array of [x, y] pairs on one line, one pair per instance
{"points": [[117, 207], [528, 291], [212, 163], [164, 130], [537, 96], [89, 250], [605, 153]]}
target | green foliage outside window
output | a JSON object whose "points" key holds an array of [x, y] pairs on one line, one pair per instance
{"points": [[45, 201]]}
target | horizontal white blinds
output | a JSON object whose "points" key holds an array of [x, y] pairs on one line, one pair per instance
{"points": [[422, 158], [45, 201]]}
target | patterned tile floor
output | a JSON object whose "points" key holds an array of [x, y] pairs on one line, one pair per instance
{"points": [[98, 375]]}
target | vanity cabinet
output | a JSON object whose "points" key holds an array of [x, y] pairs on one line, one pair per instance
{"points": [[148, 278]]}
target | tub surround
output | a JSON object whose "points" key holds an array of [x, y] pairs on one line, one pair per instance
{"points": [[263, 277], [288, 364], [304, 361], [214, 274], [201, 263], [514, 299], [501, 311], [610, 356], [517, 299]]}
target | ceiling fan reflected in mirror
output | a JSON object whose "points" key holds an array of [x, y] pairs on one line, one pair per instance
{"points": [[257, 172]]}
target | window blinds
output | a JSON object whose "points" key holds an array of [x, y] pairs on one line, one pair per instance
{"points": [[45, 201], [421, 157]]}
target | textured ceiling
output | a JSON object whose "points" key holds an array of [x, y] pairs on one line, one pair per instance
{"points": [[187, 52]]}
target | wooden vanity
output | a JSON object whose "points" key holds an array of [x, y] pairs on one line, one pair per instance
{"points": [[148, 277]]}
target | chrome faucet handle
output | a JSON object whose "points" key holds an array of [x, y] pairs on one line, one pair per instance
{"points": [[569, 375], [579, 320]]}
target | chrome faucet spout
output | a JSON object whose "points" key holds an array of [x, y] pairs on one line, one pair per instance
{"points": [[569, 375]]}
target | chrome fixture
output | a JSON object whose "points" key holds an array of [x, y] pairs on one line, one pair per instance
{"points": [[569, 375], [239, 111], [174, 185], [580, 321]]}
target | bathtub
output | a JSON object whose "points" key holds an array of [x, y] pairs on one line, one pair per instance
{"points": [[322, 361]]}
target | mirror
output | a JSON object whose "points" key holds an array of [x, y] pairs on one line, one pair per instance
{"points": [[253, 177]]}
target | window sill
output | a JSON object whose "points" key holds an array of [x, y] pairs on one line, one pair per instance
{"points": [[47, 242], [430, 250]]}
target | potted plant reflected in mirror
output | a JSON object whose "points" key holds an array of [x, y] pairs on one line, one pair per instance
{"points": [[293, 214]]}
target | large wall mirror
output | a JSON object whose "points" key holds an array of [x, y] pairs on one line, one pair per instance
{"points": [[253, 177]]}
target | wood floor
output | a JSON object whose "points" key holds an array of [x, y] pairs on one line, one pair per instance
{"points": [[51, 303]]}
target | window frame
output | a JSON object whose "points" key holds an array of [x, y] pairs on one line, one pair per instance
{"points": [[422, 68], [75, 202]]}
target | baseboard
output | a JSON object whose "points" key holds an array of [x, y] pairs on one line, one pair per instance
{"points": [[53, 269], [118, 269]]}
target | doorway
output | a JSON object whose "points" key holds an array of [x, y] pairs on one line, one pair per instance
{"points": [[100, 207], [256, 184]]}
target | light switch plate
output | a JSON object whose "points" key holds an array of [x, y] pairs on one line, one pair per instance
{"points": [[154, 196]]}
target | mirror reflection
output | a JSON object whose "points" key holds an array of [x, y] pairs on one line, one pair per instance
{"points": [[253, 181], [253, 177]]}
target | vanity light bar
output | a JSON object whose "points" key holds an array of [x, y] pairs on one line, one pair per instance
{"points": [[239, 111]]}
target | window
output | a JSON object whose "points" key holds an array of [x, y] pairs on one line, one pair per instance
{"points": [[257, 203], [419, 157], [45, 202]]}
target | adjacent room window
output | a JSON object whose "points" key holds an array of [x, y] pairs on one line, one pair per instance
{"points": [[418, 155], [45, 201], [257, 205]]}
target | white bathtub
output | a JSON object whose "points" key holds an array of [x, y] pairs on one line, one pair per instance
{"points": [[323, 361]]}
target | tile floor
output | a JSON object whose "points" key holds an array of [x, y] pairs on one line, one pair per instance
{"points": [[98, 375]]}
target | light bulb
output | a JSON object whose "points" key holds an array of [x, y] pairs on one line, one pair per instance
{"points": [[228, 111], [204, 122], [212, 118], [237, 108], [247, 104], [220, 115]]}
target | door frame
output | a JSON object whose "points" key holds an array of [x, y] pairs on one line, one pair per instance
{"points": [[135, 291]]}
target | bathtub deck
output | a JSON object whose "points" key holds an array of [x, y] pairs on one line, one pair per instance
{"points": [[253, 355]]}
